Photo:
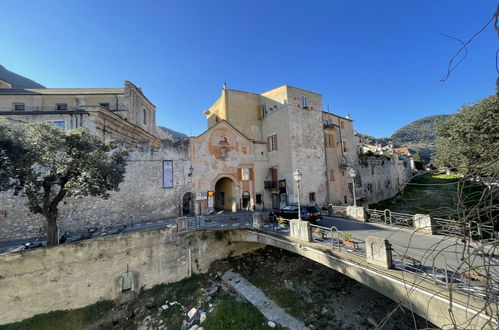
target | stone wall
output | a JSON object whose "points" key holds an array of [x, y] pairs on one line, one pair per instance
{"points": [[75, 275], [141, 197], [380, 178]]}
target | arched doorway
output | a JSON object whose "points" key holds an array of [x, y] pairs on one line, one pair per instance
{"points": [[187, 204], [225, 195]]}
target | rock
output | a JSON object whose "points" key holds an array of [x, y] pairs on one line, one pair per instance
{"points": [[194, 327], [372, 321], [212, 290], [202, 318], [192, 312], [200, 328], [149, 303], [164, 307], [271, 324]]}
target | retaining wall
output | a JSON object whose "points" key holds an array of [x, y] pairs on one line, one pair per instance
{"points": [[79, 274]]}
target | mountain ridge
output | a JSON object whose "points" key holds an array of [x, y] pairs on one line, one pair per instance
{"points": [[17, 80]]}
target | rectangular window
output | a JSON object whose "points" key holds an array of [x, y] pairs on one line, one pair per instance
{"points": [[60, 124], [304, 102], [345, 199], [345, 149], [62, 106], [342, 124], [272, 143], [104, 105], [264, 111], [19, 106], [329, 140], [311, 197], [331, 175], [259, 198]]}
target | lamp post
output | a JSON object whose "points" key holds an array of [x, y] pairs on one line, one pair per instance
{"points": [[297, 176], [352, 174]]}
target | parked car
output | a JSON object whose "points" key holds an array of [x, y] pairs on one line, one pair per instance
{"points": [[308, 213]]}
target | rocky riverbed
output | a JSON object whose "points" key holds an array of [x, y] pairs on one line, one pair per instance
{"points": [[315, 295]]}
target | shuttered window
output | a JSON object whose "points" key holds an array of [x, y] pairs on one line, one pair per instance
{"points": [[272, 143]]}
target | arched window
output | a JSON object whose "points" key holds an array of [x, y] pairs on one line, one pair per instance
{"points": [[144, 117]]}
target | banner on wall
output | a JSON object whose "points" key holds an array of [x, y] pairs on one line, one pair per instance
{"points": [[201, 196], [211, 202], [168, 174]]}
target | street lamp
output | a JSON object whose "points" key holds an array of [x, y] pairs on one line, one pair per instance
{"points": [[352, 174], [297, 176]]}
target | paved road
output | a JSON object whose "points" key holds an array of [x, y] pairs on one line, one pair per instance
{"points": [[444, 249]]}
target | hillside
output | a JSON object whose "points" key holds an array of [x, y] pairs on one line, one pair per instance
{"points": [[419, 136], [16, 80], [421, 131]]}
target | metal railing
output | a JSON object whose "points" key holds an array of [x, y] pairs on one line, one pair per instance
{"points": [[469, 280], [337, 239], [235, 220], [376, 216]]}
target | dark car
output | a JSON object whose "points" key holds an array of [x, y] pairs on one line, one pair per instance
{"points": [[308, 213]]}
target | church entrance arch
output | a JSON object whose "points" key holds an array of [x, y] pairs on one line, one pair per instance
{"points": [[188, 204], [225, 195]]}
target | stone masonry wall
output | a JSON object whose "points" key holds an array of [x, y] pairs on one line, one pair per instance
{"points": [[380, 178], [75, 275], [141, 198]]}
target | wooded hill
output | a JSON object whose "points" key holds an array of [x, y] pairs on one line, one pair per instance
{"points": [[419, 136]]}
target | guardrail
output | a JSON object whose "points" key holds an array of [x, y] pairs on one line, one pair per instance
{"points": [[479, 282]]}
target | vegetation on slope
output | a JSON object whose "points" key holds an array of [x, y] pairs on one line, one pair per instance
{"points": [[469, 141]]}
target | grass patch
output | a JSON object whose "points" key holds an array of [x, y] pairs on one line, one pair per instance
{"points": [[74, 319], [441, 195], [231, 314], [286, 298], [182, 291]]}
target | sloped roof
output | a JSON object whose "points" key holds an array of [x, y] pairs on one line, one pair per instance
{"points": [[403, 150], [228, 124], [60, 91]]}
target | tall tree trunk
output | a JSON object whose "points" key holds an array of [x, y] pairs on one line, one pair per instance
{"points": [[52, 230]]}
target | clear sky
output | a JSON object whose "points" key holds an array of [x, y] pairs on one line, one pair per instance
{"points": [[380, 61]]}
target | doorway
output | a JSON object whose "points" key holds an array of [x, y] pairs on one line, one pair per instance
{"points": [[187, 204], [225, 196]]}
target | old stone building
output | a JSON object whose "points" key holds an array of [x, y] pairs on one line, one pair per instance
{"points": [[123, 114], [244, 161], [119, 113], [277, 132]]}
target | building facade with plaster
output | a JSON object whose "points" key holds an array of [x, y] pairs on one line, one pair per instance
{"points": [[285, 129]]}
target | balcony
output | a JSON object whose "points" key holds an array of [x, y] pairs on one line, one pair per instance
{"points": [[270, 184]]}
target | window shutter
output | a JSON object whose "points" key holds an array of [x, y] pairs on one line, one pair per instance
{"points": [[268, 143], [259, 112], [239, 174], [251, 174], [275, 142]]}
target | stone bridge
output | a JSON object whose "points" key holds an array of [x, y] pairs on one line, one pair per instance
{"points": [[78, 274]]}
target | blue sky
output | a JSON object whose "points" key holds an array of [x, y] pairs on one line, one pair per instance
{"points": [[379, 61]]}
